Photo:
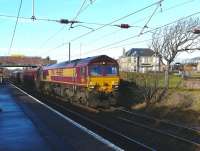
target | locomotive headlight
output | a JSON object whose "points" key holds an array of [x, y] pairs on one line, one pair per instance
{"points": [[91, 85], [115, 84]]}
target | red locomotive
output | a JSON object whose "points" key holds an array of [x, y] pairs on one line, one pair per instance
{"points": [[91, 81]]}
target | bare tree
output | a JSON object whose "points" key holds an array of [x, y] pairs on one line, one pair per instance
{"points": [[171, 40]]}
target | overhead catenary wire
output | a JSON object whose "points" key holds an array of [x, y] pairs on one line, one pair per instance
{"points": [[16, 23], [92, 23], [130, 14], [110, 34], [29, 18], [10, 16], [79, 11], [146, 24], [105, 35], [136, 42], [84, 8], [127, 44], [55, 20], [165, 10], [142, 19], [44, 19], [104, 25], [52, 36], [126, 39]]}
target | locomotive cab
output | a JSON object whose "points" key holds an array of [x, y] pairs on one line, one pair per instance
{"points": [[103, 75]]}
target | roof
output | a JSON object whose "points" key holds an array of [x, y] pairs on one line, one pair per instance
{"points": [[195, 59], [139, 52], [192, 60], [78, 62]]}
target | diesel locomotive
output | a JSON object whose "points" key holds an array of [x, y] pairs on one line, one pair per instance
{"points": [[91, 81]]}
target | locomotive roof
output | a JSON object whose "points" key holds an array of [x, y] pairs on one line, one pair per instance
{"points": [[79, 62]]}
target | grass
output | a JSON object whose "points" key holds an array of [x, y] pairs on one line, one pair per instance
{"points": [[195, 75], [150, 79], [179, 105], [183, 106]]}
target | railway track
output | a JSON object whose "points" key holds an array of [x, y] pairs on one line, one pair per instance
{"points": [[120, 139], [123, 141], [123, 135], [128, 130], [176, 131]]}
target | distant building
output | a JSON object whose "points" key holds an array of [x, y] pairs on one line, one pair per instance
{"points": [[139, 60], [198, 66], [194, 64], [24, 60]]}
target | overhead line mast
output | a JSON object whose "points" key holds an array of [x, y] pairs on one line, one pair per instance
{"points": [[33, 9], [16, 23]]}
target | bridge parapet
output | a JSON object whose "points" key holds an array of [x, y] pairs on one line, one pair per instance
{"points": [[24, 61]]}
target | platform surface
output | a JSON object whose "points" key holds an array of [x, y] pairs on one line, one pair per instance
{"points": [[26, 125], [17, 132]]}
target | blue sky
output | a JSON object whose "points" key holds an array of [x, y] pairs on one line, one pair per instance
{"points": [[31, 38]]}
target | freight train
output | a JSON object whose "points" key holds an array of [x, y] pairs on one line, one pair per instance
{"points": [[4, 74], [91, 81], [1, 75]]}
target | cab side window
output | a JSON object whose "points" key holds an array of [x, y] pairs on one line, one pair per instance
{"points": [[82, 71]]}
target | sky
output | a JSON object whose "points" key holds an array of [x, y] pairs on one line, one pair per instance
{"points": [[50, 38]]}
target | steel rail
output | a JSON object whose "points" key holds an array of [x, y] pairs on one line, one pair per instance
{"points": [[160, 120], [115, 133], [180, 138]]}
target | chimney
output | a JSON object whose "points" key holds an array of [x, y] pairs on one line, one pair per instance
{"points": [[124, 51]]}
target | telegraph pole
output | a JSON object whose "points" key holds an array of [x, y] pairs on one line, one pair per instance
{"points": [[69, 51], [80, 49]]}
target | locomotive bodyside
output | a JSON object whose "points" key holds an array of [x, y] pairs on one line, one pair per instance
{"points": [[17, 76], [1, 75], [91, 81], [30, 78]]}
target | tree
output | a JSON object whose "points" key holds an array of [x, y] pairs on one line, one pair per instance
{"points": [[171, 40]]}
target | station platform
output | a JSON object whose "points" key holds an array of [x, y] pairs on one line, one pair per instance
{"points": [[26, 125]]}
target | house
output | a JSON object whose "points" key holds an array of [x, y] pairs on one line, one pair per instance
{"points": [[139, 60], [198, 66], [193, 62], [196, 60]]}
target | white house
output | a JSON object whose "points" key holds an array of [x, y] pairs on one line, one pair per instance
{"points": [[198, 66], [139, 60]]}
